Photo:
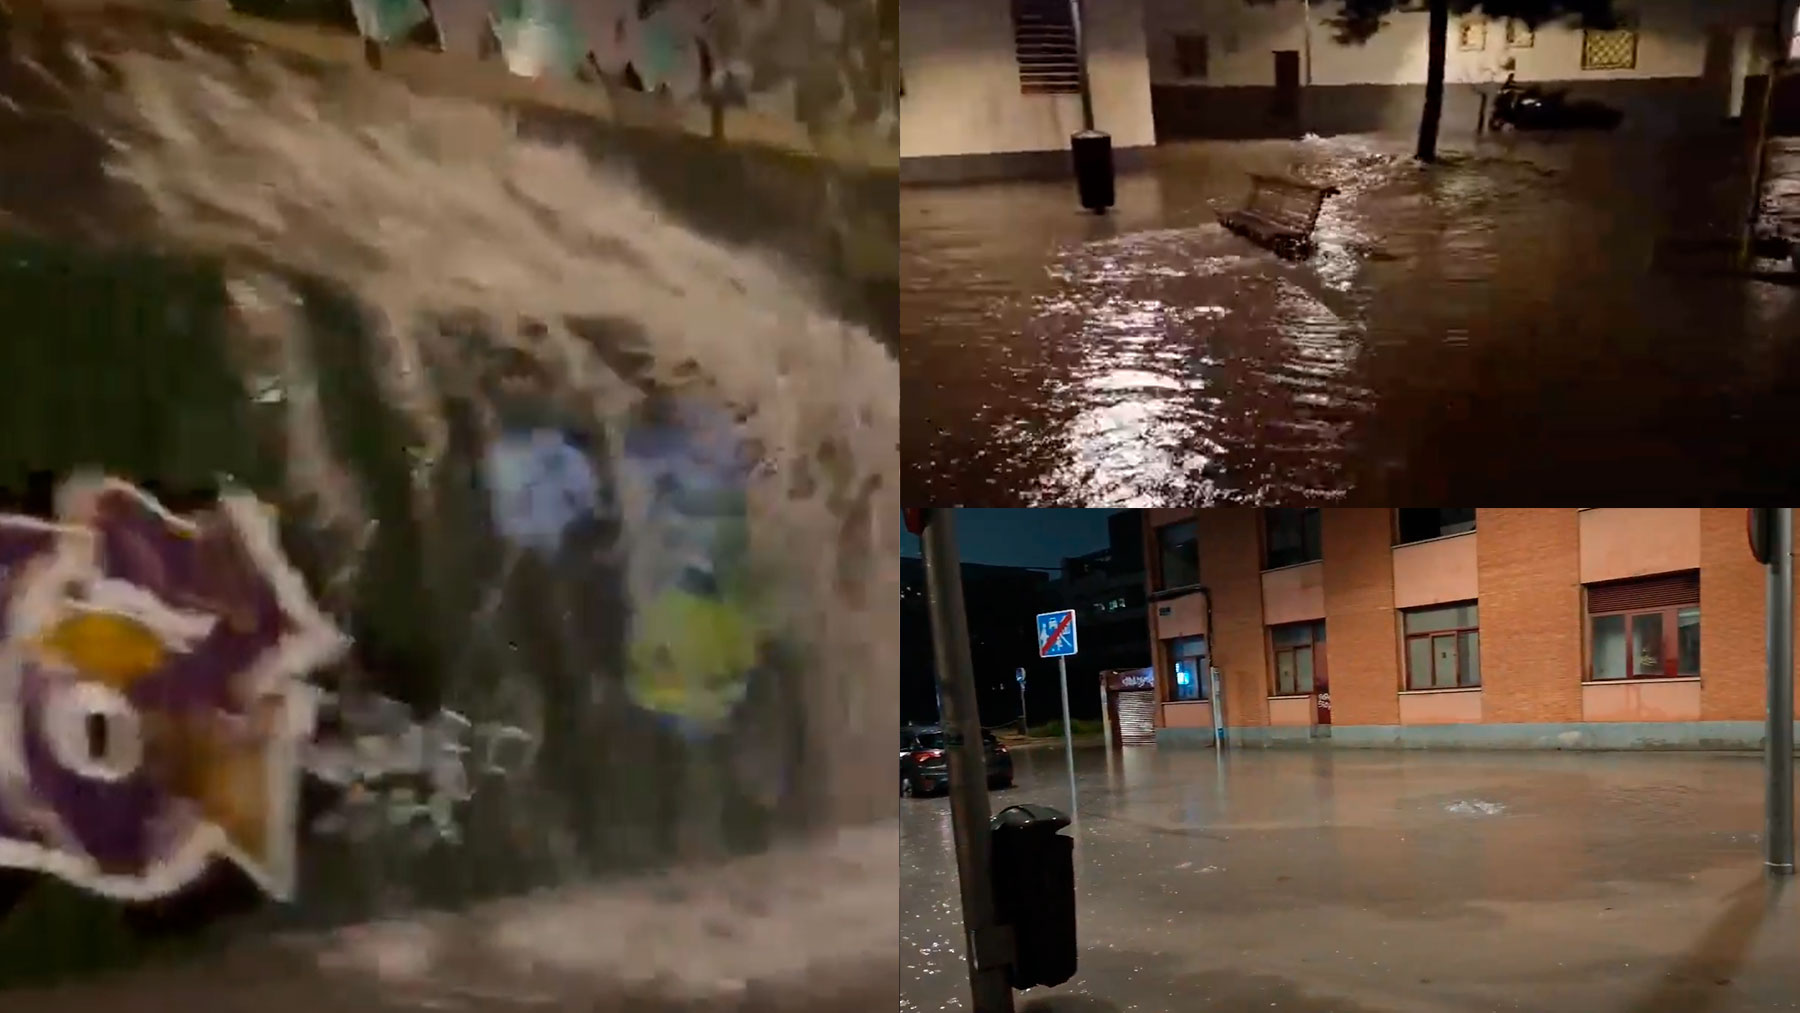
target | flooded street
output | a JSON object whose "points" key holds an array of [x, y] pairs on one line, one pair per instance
{"points": [[1528, 312], [1388, 881]]}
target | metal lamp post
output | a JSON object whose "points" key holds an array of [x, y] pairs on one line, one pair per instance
{"points": [[989, 945], [1779, 738], [1772, 544]]}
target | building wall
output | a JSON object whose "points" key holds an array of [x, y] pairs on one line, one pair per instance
{"points": [[1377, 84], [1621, 542], [1530, 613], [1231, 567], [1360, 643], [963, 115], [1530, 566], [1731, 621]]}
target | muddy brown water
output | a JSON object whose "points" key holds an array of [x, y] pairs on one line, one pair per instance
{"points": [[1385, 881], [1529, 321], [136, 335]]}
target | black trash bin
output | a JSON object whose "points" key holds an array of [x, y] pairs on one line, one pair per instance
{"points": [[1093, 154], [1034, 892]]}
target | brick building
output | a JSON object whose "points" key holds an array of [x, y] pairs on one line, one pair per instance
{"points": [[1552, 628]]}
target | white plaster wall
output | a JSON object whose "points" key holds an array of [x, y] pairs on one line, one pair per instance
{"points": [[962, 82], [1240, 39], [1671, 43]]}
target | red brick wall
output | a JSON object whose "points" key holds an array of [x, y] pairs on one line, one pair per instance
{"points": [[1231, 566], [1732, 651], [1360, 637], [1531, 621]]}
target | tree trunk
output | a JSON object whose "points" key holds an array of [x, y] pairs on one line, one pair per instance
{"points": [[1434, 80]]}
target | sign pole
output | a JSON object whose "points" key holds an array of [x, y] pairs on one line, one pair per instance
{"points": [[1024, 715], [1779, 738], [1106, 726], [1217, 708], [1056, 639], [1062, 670], [987, 948]]}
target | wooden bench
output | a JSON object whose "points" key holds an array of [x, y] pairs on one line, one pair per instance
{"points": [[1280, 213]]}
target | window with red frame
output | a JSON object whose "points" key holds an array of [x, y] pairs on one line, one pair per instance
{"points": [[1644, 629], [1443, 646], [1299, 655]]}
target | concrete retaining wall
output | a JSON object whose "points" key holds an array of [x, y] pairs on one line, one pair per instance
{"points": [[1658, 105]]}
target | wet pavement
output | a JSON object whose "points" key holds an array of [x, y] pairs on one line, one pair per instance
{"points": [[1389, 882], [805, 928], [1527, 315]]}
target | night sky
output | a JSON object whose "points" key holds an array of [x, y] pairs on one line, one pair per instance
{"points": [[1035, 538]]}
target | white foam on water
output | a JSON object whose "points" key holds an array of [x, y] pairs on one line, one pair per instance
{"points": [[421, 206]]}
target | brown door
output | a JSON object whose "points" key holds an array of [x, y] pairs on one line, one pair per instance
{"points": [[1287, 84]]}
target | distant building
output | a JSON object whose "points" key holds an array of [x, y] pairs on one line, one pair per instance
{"points": [[1000, 603], [1530, 628], [1106, 590], [989, 86]]}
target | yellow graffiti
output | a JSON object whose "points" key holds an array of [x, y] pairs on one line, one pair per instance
{"points": [[691, 656], [112, 649]]}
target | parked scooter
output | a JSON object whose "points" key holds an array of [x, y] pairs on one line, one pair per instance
{"points": [[1528, 107]]}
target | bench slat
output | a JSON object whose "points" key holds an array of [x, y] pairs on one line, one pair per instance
{"points": [[1280, 213]]}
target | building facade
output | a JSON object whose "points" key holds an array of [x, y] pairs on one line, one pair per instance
{"points": [[984, 89], [989, 87], [1226, 68], [1526, 628], [1106, 590]]}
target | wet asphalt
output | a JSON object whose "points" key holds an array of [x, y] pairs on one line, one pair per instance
{"points": [[1389, 882], [1530, 315]]}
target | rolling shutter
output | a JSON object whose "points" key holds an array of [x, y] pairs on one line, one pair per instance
{"points": [[1137, 718], [1667, 591]]}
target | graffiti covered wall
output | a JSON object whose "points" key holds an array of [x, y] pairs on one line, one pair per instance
{"points": [[830, 65], [554, 659], [150, 692]]}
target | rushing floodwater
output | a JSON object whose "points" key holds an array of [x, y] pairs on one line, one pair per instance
{"points": [[1522, 322], [362, 303]]}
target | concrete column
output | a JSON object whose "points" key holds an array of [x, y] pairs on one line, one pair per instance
{"points": [[1743, 46]]}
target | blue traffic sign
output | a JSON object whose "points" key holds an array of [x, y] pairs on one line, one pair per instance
{"points": [[1020, 675], [1056, 634]]}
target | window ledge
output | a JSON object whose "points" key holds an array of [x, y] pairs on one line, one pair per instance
{"points": [[1439, 538], [1292, 566], [1294, 696], [1641, 680], [1435, 692], [1183, 703]]}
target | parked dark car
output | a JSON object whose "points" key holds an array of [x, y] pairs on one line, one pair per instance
{"points": [[925, 769]]}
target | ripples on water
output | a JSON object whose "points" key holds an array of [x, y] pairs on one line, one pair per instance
{"points": [[1451, 325], [466, 251]]}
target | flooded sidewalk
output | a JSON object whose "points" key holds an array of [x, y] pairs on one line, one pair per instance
{"points": [[1415, 882], [1502, 322], [806, 928]]}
